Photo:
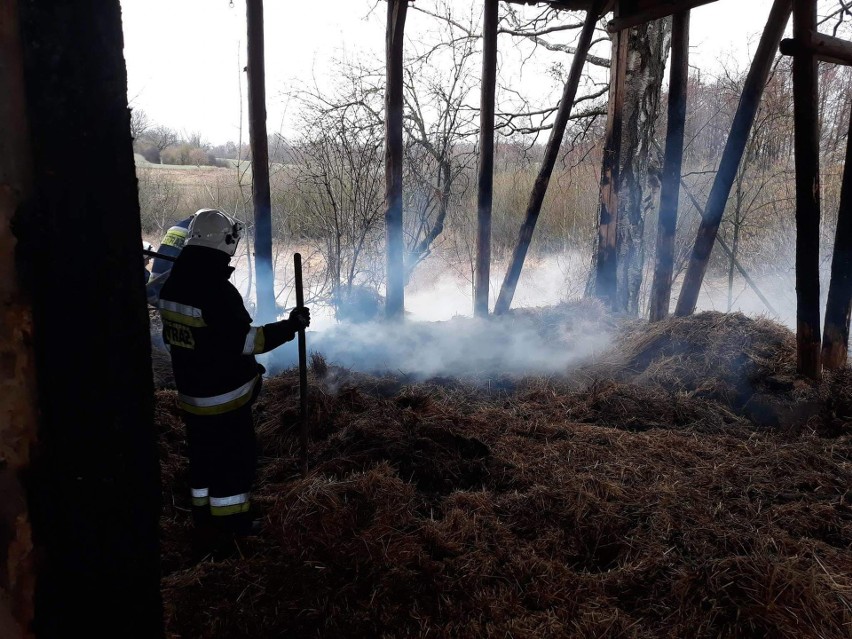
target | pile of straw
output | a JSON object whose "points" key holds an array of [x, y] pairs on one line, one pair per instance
{"points": [[639, 497]]}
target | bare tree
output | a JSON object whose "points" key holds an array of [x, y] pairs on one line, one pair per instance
{"points": [[139, 123]]}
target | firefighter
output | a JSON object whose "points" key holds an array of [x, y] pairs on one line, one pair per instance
{"points": [[171, 246], [212, 344]]}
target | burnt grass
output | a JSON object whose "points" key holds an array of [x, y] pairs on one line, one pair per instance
{"points": [[687, 484]]}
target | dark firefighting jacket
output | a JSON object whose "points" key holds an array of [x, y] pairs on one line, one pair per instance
{"points": [[209, 334]]}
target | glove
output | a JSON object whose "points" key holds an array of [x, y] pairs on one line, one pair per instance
{"points": [[300, 318]]}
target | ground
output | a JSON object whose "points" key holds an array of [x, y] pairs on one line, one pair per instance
{"points": [[687, 484]]}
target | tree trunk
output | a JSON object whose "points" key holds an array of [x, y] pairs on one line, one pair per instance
{"points": [[260, 164], [95, 487], [648, 47]]}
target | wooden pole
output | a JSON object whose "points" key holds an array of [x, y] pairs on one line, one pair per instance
{"points": [[835, 343], [93, 489], [395, 290], [260, 164], [303, 367], [732, 155], [661, 289], [486, 159], [806, 121], [606, 262], [551, 153]]}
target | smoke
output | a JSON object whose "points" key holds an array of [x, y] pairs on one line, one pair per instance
{"points": [[439, 338], [461, 346]]}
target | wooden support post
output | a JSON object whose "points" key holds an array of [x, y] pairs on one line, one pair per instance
{"points": [[806, 122], [486, 159], [265, 280], [661, 290], [94, 487], [835, 343], [606, 262], [395, 289], [732, 155], [551, 153]]}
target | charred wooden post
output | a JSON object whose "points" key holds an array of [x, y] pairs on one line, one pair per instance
{"points": [[486, 159], [265, 280], [661, 289], [551, 153], [18, 398], [732, 155], [94, 488], [835, 343], [395, 290], [606, 261], [806, 122]]}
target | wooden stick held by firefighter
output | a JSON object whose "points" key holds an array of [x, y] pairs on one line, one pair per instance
{"points": [[213, 346]]}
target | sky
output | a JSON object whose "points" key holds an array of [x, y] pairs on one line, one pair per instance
{"points": [[184, 56]]}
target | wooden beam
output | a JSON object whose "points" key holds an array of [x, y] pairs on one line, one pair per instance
{"points": [[732, 155], [661, 289], [395, 287], [256, 73], [554, 143], [640, 12], [486, 159], [825, 48], [606, 260], [806, 122], [838, 310]]}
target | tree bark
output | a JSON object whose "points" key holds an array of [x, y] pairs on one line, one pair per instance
{"points": [[265, 285], [94, 489], [395, 290], [648, 47], [661, 289], [605, 257]]}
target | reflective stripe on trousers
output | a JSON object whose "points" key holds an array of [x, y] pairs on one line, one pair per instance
{"points": [[200, 496], [230, 505], [217, 404]]}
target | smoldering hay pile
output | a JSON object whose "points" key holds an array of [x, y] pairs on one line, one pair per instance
{"points": [[685, 484]]}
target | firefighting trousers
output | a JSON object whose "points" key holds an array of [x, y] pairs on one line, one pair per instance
{"points": [[222, 463]]}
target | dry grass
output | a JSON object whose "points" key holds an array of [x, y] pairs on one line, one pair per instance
{"points": [[644, 497]]}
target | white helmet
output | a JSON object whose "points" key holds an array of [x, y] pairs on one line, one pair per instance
{"points": [[214, 229]]}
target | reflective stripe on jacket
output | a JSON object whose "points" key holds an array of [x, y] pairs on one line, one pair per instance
{"points": [[209, 334]]}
